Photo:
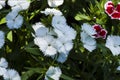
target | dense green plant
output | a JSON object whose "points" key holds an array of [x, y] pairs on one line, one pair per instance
{"points": [[23, 55]]}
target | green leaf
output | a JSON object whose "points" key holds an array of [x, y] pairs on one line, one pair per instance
{"points": [[66, 77], [34, 51], [9, 36], [79, 17], [32, 71], [2, 21]]}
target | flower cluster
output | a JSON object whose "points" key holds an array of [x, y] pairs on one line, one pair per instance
{"points": [[90, 33], [13, 21], [13, 18], [8, 74], [112, 11], [101, 33], [55, 40], [52, 41]]}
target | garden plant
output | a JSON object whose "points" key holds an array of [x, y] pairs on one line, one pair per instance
{"points": [[59, 39]]}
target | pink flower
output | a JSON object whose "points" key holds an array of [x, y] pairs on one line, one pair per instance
{"points": [[101, 33], [109, 8], [112, 11]]}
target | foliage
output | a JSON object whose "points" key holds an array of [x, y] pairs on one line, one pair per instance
{"points": [[24, 56]]}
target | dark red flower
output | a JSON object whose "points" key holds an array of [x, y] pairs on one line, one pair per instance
{"points": [[109, 7], [109, 10], [101, 33], [113, 12]]}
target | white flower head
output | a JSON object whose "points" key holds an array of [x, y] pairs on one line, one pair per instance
{"points": [[55, 3], [11, 74], [53, 72], [56, 40], [88, 42], [2, 3], [113, 43], [2, 41], [3, 63], [14, 20], [88, 29], [45, 45], [49, 11], [19, 5]]}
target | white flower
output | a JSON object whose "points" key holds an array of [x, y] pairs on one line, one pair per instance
{"points": [[11, 74], [44, 39], [14, 20], [88, 42], [2, 71], [2, 41], [19, 4], [113, 43], [88, 29], [87, 37], [2, 3], [3, 63], [45, 45], [49, 11], [56, 40], [53, 72], [55, 3]]}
